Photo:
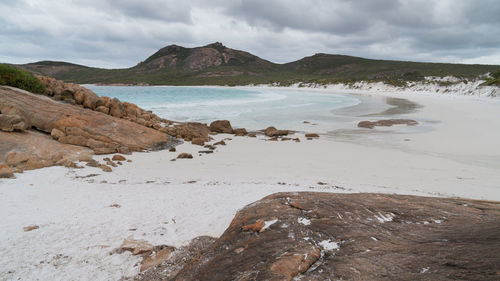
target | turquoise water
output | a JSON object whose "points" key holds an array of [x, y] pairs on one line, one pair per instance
{"points": [[249, 108]]}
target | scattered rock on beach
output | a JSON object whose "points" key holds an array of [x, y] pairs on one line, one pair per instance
{"points": [[240, 132], [312, 135], [106, 168], [92, 163], [387, 123], [136, 246], [172, 149], [118, 158], [109, 162], [221, 126], [30, 228], [252, 135], [273, 132], [185, 155], [220, 143]]}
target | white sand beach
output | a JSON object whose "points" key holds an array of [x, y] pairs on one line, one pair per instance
{"points": [[453, 152]]}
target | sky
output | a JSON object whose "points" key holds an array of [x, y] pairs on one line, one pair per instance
{"points": [[121, 33]]}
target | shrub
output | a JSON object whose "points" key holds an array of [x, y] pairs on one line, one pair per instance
{"points": [[22, 79]]}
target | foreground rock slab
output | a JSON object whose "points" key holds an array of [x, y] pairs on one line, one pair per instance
{"points": [[325, 236]]}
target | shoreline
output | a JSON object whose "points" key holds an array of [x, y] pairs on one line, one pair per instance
{"points": [[171, 202]]}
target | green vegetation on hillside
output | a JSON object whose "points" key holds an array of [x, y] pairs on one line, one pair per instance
{"points": [[22, 79], [493, 81], [216, 64]]}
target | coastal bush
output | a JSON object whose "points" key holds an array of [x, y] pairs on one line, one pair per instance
{"points": [[15, 77], [493, 81]]}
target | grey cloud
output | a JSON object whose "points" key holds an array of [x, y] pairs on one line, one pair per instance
{"points": [[113, 33]]}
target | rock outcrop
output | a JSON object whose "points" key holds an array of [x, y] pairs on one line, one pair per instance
{"points": [[240, 132], [326, 236], [78, 126], [188, 131], [221, 126], [387, 123], [33, 150], [273, 132], [76, 94]]}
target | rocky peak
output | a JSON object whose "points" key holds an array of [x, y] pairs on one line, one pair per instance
{"points": [[216, 45]]}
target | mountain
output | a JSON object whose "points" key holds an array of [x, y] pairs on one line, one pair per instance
{"points": [[216, 64]]}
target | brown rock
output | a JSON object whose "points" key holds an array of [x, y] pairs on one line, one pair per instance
{"points": [[9, 123], [30, 228], [220, 143], [104, 101], [172, 149], [6, 171], [79, 96], [57, 134], [79, 124], [16, 158], [290, 265], [76, 140], [93, 163], [324, 236], [106, 168], [387, 123], [240, 132], [185, 156], [109, 162], [273, 132], [90, 99], [198, 141], [256, 227], [102, 109], [104, 150], [221, 126], [31, 150], [136, 246], [312, 135], [116, 108], [123, 150], [118, 158], [156, 258], [252, 135], [189, 131]]}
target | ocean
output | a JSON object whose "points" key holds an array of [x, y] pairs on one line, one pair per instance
{"points": [[253, 109]]}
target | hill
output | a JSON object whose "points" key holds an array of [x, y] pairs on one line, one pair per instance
{"points": [[216, 64]]}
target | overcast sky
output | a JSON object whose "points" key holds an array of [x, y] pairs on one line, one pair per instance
{"points": [[120, 33]]}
